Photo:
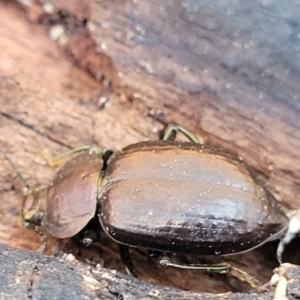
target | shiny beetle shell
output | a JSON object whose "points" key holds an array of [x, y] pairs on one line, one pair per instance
{"points": [[186, 198], [72, 195]]}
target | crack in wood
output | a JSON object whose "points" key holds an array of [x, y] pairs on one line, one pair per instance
{"points": [[33, 128], [35, 273]]}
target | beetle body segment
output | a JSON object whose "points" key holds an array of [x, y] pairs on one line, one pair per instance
{"points": [[186, 198], [72, 195]]}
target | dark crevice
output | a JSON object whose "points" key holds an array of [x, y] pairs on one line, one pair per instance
{"points": [[31, 127], [35, 273]]}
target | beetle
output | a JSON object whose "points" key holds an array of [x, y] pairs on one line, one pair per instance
{"points": [[165, 196]]}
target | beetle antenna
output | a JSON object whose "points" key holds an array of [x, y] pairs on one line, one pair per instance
{"points": [[19, 174]]}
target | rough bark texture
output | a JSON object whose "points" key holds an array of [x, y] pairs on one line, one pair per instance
{"points": [[111, 73], [27, 275]]}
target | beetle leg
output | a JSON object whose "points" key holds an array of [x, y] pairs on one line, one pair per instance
{"points": [[165, 262], [27, 191], [19, 174], [33, 214], [59, 159], [244, 276], [126, 260], [172, 130]]}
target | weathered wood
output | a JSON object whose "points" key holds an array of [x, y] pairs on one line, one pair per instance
{"points": [[27, 275], [228, 71]]}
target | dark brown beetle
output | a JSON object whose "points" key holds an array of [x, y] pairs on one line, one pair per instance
{"points": [[165, 196]]}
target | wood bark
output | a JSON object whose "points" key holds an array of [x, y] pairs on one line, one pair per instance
{"points": [[112, 73], [26, 275]]}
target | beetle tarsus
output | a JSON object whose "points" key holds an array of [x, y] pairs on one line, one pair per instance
{"points": [[244, 276]]}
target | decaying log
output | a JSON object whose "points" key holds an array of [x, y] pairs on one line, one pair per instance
{"points": [[26, 275], [112, 73]]}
